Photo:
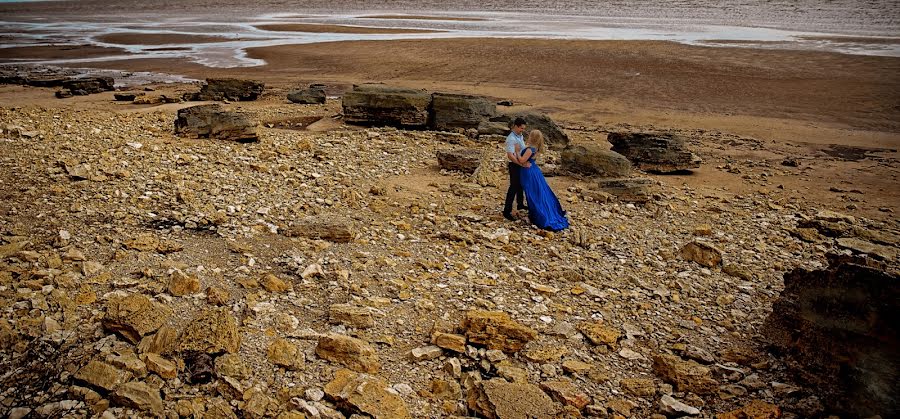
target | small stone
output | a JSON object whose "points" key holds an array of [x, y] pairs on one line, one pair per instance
{"points": [[576, 367], [285, 354], [426, 353], [232, 365], [671, 407], [453, 367], [601, 334], [640, 387], [496, 330], [685, 375], [217, 296], [214, 331], [702, 253], [449, 341], [756, 409], [366, 394], [140, 396], [566, 393], [181, 284], [446, 390], [314, 394]]}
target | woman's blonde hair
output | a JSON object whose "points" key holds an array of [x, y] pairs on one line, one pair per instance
{"points": [[536, 140]]}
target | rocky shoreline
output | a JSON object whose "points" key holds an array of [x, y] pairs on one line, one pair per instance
{"points": [[342, 272]]}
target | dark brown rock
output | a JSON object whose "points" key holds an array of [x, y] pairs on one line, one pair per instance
{"points": [[840, 330], [594, 160], [89, 85], [230, 89], [554, 136], [380, 105], [451, 111], [635, 190], [460, 160], [309, 96], [210, 121], [654, 152]]}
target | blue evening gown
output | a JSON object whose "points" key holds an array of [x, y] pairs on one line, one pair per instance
{"points": [[544, 209]]}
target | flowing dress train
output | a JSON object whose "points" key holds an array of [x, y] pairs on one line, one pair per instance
{"points": [[544, 209]]}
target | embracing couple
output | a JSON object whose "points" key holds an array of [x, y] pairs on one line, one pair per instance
{"points": [[525, 176]]}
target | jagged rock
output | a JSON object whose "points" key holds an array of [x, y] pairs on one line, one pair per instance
{"points": [[140, 396], [446, 390], [273, 283], [704, 254], [257, 404], [594, 160], [566, 393], [230, 89], [336, 230], [232, 365], [129, 362], [349, 352], [554, 136], [160, 342], [674, 408], [837, 327], [460, 160], [217, 296], [89, 85], [375, 104], [102, 375], [684, 375], [134, 316], [756, 409], [496, 330], [654, 152], [218, 408], [285, 354], [181, 284], [161, 366], [214, 331], [451, 111], [350, 315], [211, 121], [449, 341], [352, 393], [636, 190], [600, 333], [307, 96], [499, 399]]}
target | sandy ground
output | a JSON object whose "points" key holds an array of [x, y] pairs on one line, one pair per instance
{"points": [[159, 39], [784, 103], [311, 28]]}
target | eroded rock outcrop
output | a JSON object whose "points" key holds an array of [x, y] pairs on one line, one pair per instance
{"points": [[655, 152], [230, 89], [840, 329], [462, 160], [377, 104], [451, 111], [211, 121], [594, 160]]}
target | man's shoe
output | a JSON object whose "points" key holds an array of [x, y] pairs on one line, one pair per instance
{"points": [[523, 208], [509, 216]]}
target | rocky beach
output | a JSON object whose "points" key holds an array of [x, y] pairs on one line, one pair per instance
{"points": [[320, 236]]}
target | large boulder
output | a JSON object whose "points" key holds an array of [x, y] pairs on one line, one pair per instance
{"points": [[311, 96], [636, 190], [654, 152], [380, 105], [452, 111], [594, 160], [554, 136], [211, 121], [839, 330], [230, 89], [462, 160]]}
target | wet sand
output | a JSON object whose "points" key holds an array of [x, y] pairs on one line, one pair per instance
{"points": [[159, 39], [419, 17], [311, 28], [54, 52]]}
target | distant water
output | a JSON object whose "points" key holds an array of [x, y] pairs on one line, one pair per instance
{"points": [[849, 26]]}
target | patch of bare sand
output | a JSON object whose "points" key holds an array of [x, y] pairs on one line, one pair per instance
{"points": [[58, 52], [419, 17], [314, 28], [134, 38]]}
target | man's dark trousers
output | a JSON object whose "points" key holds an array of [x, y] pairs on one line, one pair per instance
{"points": [[515, 189]]}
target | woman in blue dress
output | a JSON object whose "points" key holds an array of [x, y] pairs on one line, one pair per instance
{"points": [[544, 209]]}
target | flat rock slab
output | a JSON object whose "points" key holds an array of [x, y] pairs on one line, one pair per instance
{"points": [[337, 230], [351, 391], [350, 352], [499, 399], [684, 375], [380, 105], [635, 190], [307, 96], [654, 152]]}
